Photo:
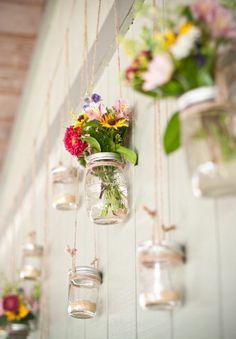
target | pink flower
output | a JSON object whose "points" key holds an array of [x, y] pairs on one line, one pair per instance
{"points": [[122, 109], [223, 25], [1, 307], [159, 72], [73, 144], [11, 303], [204, 10], [219, 19], [95, 110]]}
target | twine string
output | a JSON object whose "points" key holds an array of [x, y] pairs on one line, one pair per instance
{"points": [[116, 17], [44, 321], [85, 44], [95, 47], [34, 165]]}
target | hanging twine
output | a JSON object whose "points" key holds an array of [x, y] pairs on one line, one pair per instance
{"points": [[85, 44], [163, 228], [95, 260], [33, 202], [44, 320], [158, 177], [72, 252], [117, 44], [95, 48]]}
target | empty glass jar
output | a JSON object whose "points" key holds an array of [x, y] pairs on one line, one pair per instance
{"points": [[209, 138], [32, 260], [65, 187], [106, 188], [161, 276], [84, 286]]}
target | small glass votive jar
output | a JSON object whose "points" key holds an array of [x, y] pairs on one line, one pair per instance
{"points": [[106, 188], [208, 133], [161, 276], [64, 187], [32, 261], [84, 285]]}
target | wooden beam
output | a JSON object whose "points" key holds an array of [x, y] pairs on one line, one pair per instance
{"points": [[8, 106], [21, 19], [11, 80], [16, 51], [26, 2]]}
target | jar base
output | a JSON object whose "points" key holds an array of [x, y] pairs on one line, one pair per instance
{"points": [[81, 314], [64, 206], [105, 220], [214, 180], [167, 300]]}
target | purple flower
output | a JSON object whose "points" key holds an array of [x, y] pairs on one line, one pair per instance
{"points": [[96, 97], [199, 59]]}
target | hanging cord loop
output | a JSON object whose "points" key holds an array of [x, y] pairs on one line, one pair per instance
{"points": [[116, 17]]}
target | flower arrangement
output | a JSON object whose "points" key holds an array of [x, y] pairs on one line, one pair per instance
{"points": [[100, 129], [16, 306], [182, 56]]}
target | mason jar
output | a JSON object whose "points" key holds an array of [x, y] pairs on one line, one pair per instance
{"points": [[31, 261], [106, 188], [208, 131], [64, 187], [84, 285], [161, 276], [17, 331]]}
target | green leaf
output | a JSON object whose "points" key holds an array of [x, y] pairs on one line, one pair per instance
{"points": [[93, 143], [172, 140], [204, 78], [127, 154], [92, 123]]}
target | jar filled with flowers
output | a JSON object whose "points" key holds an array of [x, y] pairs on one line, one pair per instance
{"points": [[98, 139], [181, 59]]}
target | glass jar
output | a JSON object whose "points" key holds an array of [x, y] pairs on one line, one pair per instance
{"points": [[208, 131], [32, 260], [106, 188], [65, 187], [17, 331], [161, 276], [84, 286]]}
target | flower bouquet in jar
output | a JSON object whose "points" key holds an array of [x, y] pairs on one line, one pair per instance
{"points": [[18, 309], [191, 57], [98, 139]]}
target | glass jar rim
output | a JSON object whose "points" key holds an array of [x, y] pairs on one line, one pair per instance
{"points": [[163, 251], [103, 156], [196, 96], [88, 271], [64, 169], [18, 327], [34, 248]]}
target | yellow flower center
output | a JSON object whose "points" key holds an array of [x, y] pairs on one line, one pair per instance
{"points": [[184, 28], [169, 38], [73, 141]]}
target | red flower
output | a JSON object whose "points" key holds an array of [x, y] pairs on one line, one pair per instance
{"points": [[72, 141], [11, 303]]}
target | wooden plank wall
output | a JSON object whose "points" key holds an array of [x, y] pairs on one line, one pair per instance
{"points": [[206, 227]]}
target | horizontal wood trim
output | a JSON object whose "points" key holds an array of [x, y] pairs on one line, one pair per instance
{"points": [[15, 51], [11, 80], [26, 2], [21, 19]]}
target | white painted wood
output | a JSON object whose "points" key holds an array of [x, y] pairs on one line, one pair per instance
{"points": [[206, 227]]}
